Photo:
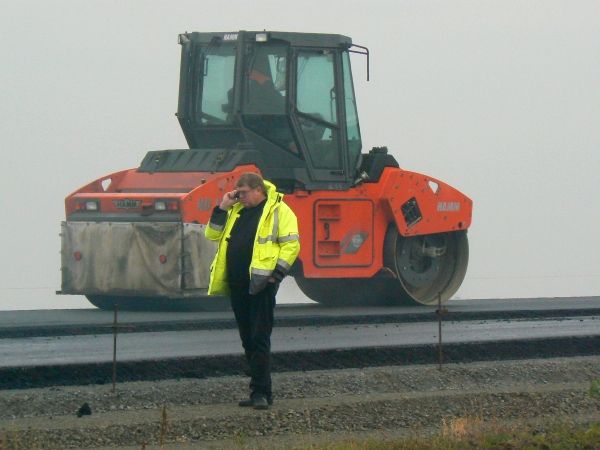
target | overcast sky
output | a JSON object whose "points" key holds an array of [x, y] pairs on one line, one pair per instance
{"points": [[501, 99]]}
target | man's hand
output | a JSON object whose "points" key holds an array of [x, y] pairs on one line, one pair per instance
{"points": [[229, 199]]}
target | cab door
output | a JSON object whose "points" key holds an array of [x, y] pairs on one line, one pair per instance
{"points": [[317, 114]]}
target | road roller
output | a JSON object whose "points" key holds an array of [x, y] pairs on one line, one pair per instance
{"points": [[282, 105]]}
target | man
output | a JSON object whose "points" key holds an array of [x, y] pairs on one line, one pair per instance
{"points": [[258, 243]]}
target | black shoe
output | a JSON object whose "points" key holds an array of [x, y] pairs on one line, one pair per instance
{"points": [[246, 403], [260, 402], [251, 402]]}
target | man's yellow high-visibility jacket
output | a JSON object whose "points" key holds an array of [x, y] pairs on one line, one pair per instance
{"points": [[276, 245]]}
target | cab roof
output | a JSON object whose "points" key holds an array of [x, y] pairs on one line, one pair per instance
{"points": [[294, 39]]}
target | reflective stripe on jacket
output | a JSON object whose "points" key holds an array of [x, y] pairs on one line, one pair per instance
{"points": [[276, 245]]}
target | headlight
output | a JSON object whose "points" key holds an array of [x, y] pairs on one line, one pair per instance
{"points": [[262, 37], [91, 205], [166, 205]]}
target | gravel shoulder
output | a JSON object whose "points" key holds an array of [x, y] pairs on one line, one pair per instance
{"points": [[310, 407]]}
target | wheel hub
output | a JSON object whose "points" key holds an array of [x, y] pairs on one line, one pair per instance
{"points": [[419, 260]]}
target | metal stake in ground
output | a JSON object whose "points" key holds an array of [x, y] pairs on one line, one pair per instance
{"points": [[114, 367], [440, 312]]}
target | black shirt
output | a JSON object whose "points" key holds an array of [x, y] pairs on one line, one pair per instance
{"points": [[241, 244]]}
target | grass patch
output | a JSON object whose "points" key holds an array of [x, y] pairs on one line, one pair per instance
{"points": [[595, 389], [471, 434]]}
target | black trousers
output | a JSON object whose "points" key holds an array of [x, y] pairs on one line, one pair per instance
{"points": [[254, 317]]}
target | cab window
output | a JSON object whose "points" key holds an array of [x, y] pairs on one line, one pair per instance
{"points": [[316, 101], [265, 98], [215, 85]]}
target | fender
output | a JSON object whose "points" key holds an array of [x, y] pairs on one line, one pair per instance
{"points": [[420, 204]]}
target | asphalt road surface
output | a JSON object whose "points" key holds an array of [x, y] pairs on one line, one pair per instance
{"points": [[144, 346]]}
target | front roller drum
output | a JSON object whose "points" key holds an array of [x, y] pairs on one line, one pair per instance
{"points": [[427, 267], [418, 270], [378, 291]]}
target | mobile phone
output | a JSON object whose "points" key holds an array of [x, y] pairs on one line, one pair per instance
{"points": [[236, 195]]}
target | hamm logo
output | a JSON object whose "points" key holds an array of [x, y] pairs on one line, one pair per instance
{"points": [[448, 206], [127, 203]]}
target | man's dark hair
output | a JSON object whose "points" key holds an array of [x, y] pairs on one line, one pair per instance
{"points": [[252, 180]]}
